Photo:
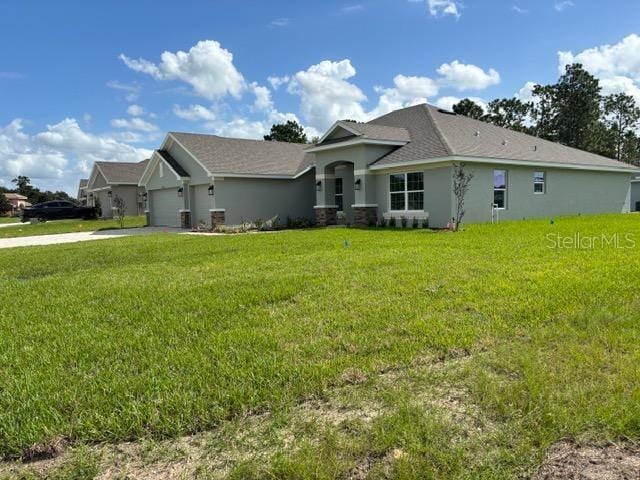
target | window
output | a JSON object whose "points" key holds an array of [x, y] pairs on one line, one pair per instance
{"points": [[406, 191], [539, 182], [339, 195], [500, 189]]}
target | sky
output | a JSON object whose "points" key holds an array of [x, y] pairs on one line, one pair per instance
{"points": [[82, 81]]}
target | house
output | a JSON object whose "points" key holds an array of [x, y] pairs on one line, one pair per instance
{"points": [[109, 180], [398, 165], [18, 202], [205, 179], [82, 191], [635, 194]]}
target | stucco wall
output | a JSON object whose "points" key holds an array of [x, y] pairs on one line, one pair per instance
{"points": [[167, 180], [127, 192], [635, 196], [568, 192], [196, 173], [252, 198]]}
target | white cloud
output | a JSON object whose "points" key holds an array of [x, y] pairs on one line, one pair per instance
{"points": [[207, 67], [194, 113], [439, 8], [448, 102], [526, 92], [617, 66], [623, 58], [135, 110], [563, 5], [280, 22], [277, 82], [134, 123], [408, 91], [131, 91], [467, 77], [240, 128], [520, 10], [58, 156], [326, 94], [352, 8], [619, 84]]}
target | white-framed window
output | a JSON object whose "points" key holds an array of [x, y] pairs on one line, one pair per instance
{"points": [[500, 189], [539, 183], [406, 192], [339, 195]]}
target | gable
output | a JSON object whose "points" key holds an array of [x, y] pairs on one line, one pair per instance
{"points": [[97, 180]]}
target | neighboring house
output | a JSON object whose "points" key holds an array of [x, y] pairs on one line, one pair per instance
{"points": [[18, 202], [111, 179], [398, 165], [82, 192], [635, 194], [204, 179]]}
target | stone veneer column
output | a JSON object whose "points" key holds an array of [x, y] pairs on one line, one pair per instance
{"points": [[364, 214], [147, 214], [185, 218], [326, 216], [217, 217]]}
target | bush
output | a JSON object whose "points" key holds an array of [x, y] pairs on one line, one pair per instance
{"points": [[371, 222], [258, 222], [392, 222], [414, 223], [403, 222], [425, 223]]}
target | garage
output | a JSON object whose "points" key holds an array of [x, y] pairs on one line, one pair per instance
{"points": [[165, 207]]}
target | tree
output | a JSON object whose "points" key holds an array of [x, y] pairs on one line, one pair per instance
{"points": [[461, 183], [621, 116], [5, 205], [468, 108], [120, 207], [543, 112], [23, 185], [291, 132], [577, 101], [508, 113]]}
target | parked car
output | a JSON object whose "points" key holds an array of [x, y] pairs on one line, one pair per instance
{"points": [[58, 210]]}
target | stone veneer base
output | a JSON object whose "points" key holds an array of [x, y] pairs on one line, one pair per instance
{"points": [[326, 216], [185, 219], [365, 215], [217, 218]]}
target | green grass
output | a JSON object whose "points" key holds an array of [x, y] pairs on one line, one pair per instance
{"points": [[166, 335], [4, 220], [68, 226]]}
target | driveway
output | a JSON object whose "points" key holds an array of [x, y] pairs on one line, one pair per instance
{"points": [[59, 238]]}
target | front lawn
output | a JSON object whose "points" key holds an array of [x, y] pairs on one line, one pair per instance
{"points": [[4, 220], [402, 354], [69, 226]]}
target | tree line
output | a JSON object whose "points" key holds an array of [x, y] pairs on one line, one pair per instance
{"points": [[572, 112], [34, 195]]}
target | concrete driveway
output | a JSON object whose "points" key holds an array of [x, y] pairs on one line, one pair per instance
{"points": [[59, 238]]}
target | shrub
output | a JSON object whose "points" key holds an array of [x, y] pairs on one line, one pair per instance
{"points": [[414, 223], [403, 222], [425, 223], [392, 222], [371, 222], [258, 222]]}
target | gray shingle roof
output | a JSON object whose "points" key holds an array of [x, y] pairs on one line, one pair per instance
{"points": [[222, 155], [378, 132], [122, 172], [83, 182], [437, 133]]}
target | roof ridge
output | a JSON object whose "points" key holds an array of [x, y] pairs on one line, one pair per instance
{"points": [[255, 140], [436, 128]]}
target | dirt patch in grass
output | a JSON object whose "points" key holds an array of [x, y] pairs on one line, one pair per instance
{"points": [[566, 460]]}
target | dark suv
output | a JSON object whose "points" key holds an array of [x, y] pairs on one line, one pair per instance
{"points": [[58, 210]]}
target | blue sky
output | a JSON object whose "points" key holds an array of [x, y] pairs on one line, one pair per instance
{"points": [[86, 81]]}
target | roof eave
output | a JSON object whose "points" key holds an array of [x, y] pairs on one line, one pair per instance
{"points": [[357, 141], [501, 161]]}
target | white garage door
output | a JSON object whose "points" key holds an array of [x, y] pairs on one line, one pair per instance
{"points": [[165, 207]]}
